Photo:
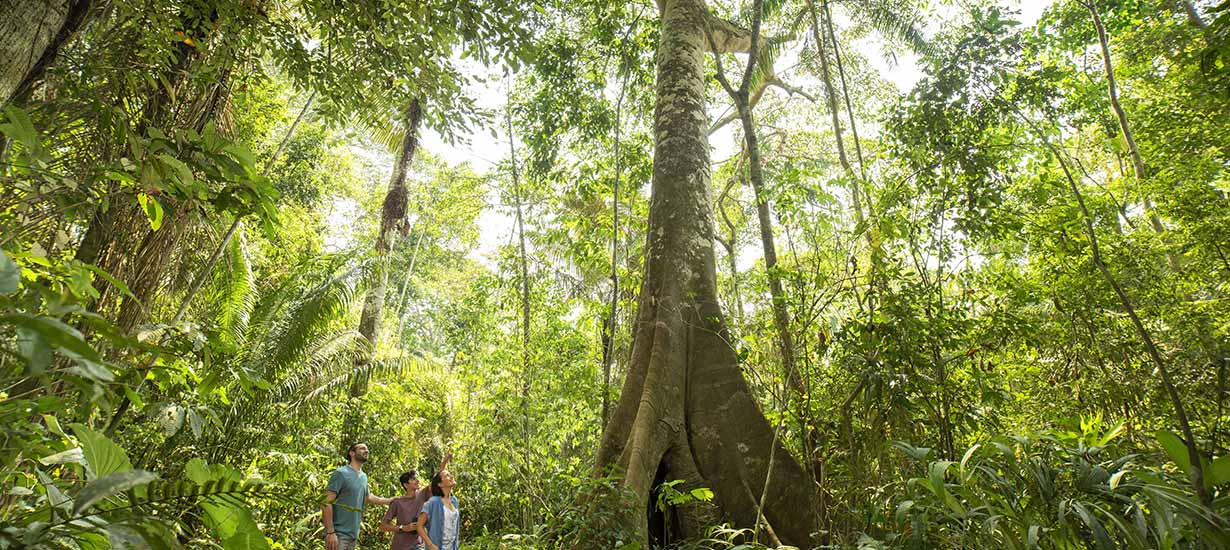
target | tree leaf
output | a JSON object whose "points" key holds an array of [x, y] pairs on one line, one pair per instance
{"points": [[109, 485], [1175, 448], [34, 349], [118, 284], [152, 208], [20, 129], [56, 333], [248, 535], [198, 471], [102, 456], [55, 497], [1218, 472], [74, 455], [10, 275]]}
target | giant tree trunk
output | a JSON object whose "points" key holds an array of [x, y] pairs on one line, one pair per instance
{"points": [[31, 34], [392, 220], [685, 411]]}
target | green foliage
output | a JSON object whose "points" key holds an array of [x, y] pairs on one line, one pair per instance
{"points": [[1060, 489], [965, 305], [669, 496]]}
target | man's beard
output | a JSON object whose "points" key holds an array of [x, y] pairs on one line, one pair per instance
{"points": [[360, 458]]}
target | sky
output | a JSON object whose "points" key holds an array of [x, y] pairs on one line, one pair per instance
{"points": [[481, 149]]}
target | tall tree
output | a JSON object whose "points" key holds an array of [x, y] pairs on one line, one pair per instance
{"points": [[392, 222], [685, 411]]}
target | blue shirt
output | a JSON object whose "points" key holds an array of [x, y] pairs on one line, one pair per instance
{"points": [[435, 522], [351, 488]]}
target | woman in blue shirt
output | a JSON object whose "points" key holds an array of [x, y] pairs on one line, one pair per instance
{"points": [[441, 515]]}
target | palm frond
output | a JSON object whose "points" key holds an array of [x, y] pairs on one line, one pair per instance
{"points": [[289, 334], [234, 296], [326, 354], [770, 9], [886, 18], [404, 366], [770, 50]]}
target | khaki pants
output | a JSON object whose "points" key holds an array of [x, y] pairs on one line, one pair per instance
{"points": [[347, 543]]}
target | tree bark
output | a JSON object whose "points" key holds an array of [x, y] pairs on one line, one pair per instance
{"points": [[392, 222], [32, 33], [755, 171], [685, 411], [731, 244], [1112, 92]]}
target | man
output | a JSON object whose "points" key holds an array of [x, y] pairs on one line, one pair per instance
{"points": [[402, 517], [344, 499]]}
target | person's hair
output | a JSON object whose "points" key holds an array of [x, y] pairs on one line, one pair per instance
{"points": [[435, 484], [351, 448], [406, 477]]}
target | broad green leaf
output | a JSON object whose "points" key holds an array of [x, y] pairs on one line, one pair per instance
{"points": [[90, 369], [54, 425], [10, 275], [74, 456], [247, 535], [55, 497], [935, 473], [195, 422], [1175, 448], [56, 333], [152, 208], [1031, 537], [965, 460], [1217, 472], [225, 519], [917, 453], [19, 128], [1095, 525], [111, 484], [92, 541], [124, 537], [702, 494], [118, 284], [198, 471], [182, 172], [34, 349], [102, 456], [1112, 434]]}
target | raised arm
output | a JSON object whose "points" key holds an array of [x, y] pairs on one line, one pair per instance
{"points": [[426, 490]]}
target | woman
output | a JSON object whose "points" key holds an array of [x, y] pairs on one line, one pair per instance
{"points": [[440, 514]]}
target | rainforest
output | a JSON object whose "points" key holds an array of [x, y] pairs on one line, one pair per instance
{"points": [[634, 275]]}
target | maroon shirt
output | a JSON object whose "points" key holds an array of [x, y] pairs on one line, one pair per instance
{"points": [[404, 511]]}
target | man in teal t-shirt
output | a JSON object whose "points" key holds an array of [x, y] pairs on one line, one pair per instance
{"points": [[345, 497]]}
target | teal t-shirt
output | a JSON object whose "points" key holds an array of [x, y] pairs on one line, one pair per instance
{"points": [[351, 489]]}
